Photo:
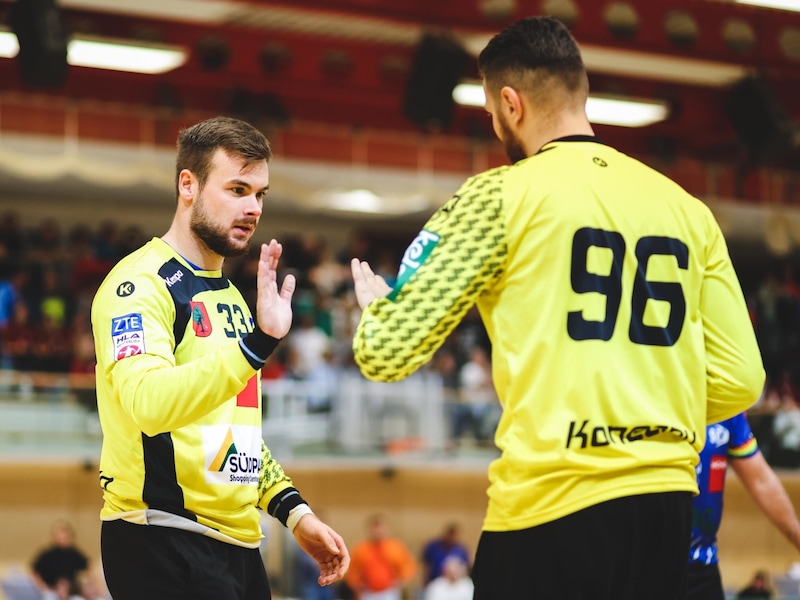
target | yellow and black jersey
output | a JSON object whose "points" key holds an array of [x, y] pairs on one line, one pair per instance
{"points": [[180, 401], [617, 322]]}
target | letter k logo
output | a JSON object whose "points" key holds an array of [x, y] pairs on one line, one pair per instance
{"points": [[125, 289]]}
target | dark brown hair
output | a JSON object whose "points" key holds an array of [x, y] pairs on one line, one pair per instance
{"points": [[198, 143], [531, 51]]}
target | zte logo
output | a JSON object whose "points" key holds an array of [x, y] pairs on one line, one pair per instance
{"points": [[131, 322], [173, 279]]}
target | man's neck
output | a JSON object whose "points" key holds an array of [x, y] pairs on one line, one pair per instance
{"points": [[193, 250]]}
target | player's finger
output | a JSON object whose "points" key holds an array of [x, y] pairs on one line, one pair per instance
{"points": [[288, 287]]}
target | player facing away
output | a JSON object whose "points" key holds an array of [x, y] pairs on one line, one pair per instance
{"points": [[618, 329], [184, 469]]}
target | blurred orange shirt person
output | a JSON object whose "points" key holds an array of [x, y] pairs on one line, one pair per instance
{"points": [[380, 565]]}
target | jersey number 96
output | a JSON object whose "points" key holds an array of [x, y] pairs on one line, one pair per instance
{"points": [[610, 286]]}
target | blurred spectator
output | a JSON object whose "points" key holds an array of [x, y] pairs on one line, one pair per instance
{"points": [[106, 242], [786, 427], [380, 566], [86, 270], [756, 589], [18, 339], [12, 287], [12, 235], [328, 276], [83, 362], [479, 409], [52, 355], [57, 568], [308, 344], [438, 550], [444, 363], [453, 584], [53, 297], [46, 243], [242, 274]]}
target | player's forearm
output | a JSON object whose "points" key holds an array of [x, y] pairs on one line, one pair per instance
{"points": [[160, 397], [384, 351], [775, 503], [770, 495]]}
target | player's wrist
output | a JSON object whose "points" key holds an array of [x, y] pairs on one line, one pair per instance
{"points": [[282, 505], [257, 346], [297, 513]]}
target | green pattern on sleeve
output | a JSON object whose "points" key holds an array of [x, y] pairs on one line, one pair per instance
{"points": [[398, 335]]}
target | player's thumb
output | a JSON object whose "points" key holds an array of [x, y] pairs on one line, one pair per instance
{"points": [[288, 287]]}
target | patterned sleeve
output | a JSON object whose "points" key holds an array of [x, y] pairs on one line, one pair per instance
{"points": [[458, 254], [743, 444], [272, 480], [276, 493]]}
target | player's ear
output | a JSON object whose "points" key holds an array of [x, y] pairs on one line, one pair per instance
{"points": [[187, 186], [511, 103]]}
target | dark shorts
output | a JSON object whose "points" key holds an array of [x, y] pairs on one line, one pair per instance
{"points": [[703, 582], [161, 563], [626, 549]]}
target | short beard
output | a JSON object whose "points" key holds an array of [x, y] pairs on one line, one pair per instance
{"points": [[213, 236], [511, 142]]}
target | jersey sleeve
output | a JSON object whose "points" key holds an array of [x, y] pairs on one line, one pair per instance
{"points": [[272, 481], [455, 257], [135, 342], [735, 372], [742, 444]]}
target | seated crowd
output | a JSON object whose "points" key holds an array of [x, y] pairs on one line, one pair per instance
{"points": [[48, 277]]}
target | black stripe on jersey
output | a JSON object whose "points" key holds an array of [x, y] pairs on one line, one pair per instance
{"points": [[161, 489], [183, 285]]}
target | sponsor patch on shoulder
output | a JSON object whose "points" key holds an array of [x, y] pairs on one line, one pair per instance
{"points": [[127, 336], [416, 254]]}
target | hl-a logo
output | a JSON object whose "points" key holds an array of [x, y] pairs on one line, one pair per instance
{"points": [[125, 289]]}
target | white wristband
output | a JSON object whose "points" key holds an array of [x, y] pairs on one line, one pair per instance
{"points": [[297, 513]]}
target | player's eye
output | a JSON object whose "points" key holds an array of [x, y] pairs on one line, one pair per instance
{"points": [[238, 190]]}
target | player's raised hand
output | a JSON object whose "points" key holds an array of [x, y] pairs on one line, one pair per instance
{"points": [[368, 285], [325, 546], [273, 306]]}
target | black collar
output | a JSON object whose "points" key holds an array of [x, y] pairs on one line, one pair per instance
{"points": [[572, 138]]}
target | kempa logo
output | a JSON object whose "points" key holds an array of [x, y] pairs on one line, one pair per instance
{"points": [[173, 279], [416, 254], [242, 468]]}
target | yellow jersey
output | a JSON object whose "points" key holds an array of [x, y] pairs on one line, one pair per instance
{"points": [[180, 403], [617, 322]]}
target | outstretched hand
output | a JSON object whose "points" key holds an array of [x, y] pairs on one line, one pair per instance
{"points": [[368, 285], [325, 546], [273, 307]]}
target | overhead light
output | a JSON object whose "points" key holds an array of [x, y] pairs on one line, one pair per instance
{"points": [[119, 55], [366, 201], [9, 46], [108, 53], [625, 112], [779, 4], [600, 109], [645, 65]]}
